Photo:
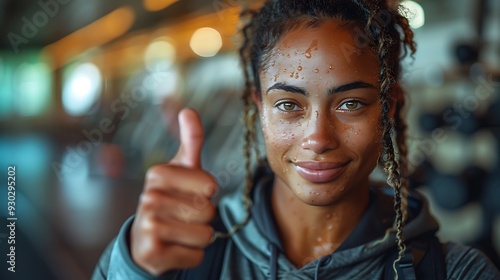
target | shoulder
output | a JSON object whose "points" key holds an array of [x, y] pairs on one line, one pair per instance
{"points": [[463, 262]]}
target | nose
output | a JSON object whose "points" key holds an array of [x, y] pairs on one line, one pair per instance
{"points": [[321, 134]]}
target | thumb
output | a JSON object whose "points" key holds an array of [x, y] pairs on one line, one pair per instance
{"points": [[191, 131]]}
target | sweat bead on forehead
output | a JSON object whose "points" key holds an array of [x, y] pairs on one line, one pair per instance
{"points": [[296, 56]]}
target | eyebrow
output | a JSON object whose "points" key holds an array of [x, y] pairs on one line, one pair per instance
{"points": [[350, 86], [333, 90], [288, 88]]}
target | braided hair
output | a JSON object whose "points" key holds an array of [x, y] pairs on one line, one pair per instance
{"points": [[382, 28]]}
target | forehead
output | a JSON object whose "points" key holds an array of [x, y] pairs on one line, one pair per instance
{"points": [[328, 47]]}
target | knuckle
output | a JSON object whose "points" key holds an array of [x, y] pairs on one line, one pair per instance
{"points": [[159, 171], [149, 200], [154, 171], [158, 231], [148, 225], [150, 228]]}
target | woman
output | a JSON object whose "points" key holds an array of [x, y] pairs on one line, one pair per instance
{"points": [[322, 77]]}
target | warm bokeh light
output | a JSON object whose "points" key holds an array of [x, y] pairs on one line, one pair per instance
{"points": [[157, 5], [206, 42], [82, 88], [160, 51], [416, 14], [97, 33]]}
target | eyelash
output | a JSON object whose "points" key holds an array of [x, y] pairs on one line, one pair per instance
{"points": [[359, 103], [281, 103], [297, 108]]}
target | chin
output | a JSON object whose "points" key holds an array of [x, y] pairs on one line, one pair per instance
{"points": [[318, 194]]}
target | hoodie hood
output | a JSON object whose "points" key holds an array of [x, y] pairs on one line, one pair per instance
{"points": [[362, 251]]}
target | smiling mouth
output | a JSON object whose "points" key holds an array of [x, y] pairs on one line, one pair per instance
{"points": [[320, 172]]}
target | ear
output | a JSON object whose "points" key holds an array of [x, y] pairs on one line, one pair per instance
{"points": [[257, 100]]}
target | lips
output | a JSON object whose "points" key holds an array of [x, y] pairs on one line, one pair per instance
{"points": [[320, 172]]}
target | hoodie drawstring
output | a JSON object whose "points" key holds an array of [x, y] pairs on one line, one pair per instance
{"points": [[273, 262], [316, 270]]}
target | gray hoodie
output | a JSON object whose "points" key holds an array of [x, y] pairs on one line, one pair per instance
{"points": [[255, 252]]}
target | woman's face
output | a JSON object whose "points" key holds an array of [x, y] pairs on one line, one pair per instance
{"points": [[320, 113]]}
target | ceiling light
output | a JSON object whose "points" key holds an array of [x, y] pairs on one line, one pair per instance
{"points": [[206, 42]]}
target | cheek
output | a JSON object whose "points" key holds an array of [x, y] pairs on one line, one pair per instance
{"points": [[279, 135], [369, 141]]}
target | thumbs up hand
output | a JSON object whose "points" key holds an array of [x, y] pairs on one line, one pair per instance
{"points": [[172, 223]]}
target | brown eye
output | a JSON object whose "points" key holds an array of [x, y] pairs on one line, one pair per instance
{"points": [[288, 106], [351, 105]]}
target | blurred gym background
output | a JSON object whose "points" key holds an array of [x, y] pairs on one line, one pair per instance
{"points": [[90, 90]]}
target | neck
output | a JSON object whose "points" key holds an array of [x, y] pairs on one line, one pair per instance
{"points": [[308, 232]]}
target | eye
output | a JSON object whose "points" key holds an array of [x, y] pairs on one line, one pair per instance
{"points": [[287, 106], [351, 105]]}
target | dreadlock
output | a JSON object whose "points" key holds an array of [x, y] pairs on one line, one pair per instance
{"points": [[387, 32]]}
